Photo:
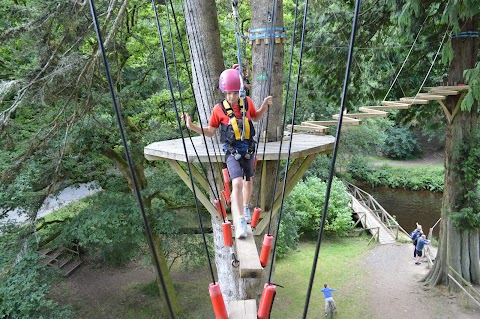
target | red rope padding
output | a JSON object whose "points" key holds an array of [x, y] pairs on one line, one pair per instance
{"points": [[227, 234], [217, 302], [220, 209], [256, 217], [226, 193], [226, 175], [266, 247], [226, 180], [266, 301]]}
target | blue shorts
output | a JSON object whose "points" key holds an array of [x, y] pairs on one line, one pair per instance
{"points": [[327, 300], [240, 168]]}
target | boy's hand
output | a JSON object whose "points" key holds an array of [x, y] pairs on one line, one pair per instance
{"points": [[268, 100], [188, 120]]}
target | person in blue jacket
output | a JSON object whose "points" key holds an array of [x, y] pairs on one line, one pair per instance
{"points": [[414, 236], [327, 292], [421, 242]]}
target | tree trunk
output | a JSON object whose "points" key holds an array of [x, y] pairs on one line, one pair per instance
{"points": [[262, 59], [458, 249], [205, 52], [167, 278], [207, 64], [122, 166]]}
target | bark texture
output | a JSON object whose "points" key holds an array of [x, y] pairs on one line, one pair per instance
{"points": [[267, 79], [207, 64], [459, 249]]}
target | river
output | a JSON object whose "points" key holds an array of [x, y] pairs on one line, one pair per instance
{"points": [[409, 207]]}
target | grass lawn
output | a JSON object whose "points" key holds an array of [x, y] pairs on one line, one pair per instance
{"points": [[339, 264]]}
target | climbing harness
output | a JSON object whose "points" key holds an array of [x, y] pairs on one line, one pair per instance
{"points": [[237, 130]]}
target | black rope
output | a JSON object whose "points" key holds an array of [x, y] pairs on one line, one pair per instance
{"points": [[277, 171], [266, 92], [302, 41], [214, 190], [192, 184], [203, 70], [129, 159], [334, 156]]}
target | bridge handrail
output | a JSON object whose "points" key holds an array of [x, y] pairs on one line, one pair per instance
{"points": [[362, 195]]}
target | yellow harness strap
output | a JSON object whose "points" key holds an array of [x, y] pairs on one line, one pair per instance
{"points": [[233, 120]]}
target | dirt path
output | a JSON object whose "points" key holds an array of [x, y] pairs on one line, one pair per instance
{"points": [[396, 293]]}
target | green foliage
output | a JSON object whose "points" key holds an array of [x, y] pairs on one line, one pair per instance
{"points": [[307, 201], [361, 141], [467, 215], [289, 234], [320, 168], [472, 77], [24, 283], [467, 218], [109, 228], [401, 143], [303, 211], [413, 178]]}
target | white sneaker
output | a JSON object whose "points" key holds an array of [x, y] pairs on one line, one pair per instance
{"points": [[246, 213], [241, 229]]}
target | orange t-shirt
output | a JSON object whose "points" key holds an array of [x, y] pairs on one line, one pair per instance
{"points": [[219, 117]]}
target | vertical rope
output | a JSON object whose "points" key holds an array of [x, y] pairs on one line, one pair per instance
{"points": [[295, 99], [335, 150], [129, 159], [406, 59], [192, 184]]}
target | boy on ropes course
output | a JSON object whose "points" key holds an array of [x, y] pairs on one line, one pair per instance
{"points": [[234, 116]]}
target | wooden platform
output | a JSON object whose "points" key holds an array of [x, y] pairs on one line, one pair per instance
{"points": [[243, 309], [304, 149], [302, 145]]}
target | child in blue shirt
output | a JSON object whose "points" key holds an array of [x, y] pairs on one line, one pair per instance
{"points": [[327, 292], [414, 236], [421, 242]]}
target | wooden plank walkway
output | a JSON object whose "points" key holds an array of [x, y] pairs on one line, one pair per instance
{"points": [[242, 309], [371, 222]]}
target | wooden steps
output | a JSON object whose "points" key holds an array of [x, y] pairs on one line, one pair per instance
{"points": [[70, 267], [413, 100], [438, 93], [242, 309], [396, 105], [64, 259]]}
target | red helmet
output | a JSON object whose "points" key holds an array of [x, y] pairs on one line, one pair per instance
{"points": [[229, 81]]}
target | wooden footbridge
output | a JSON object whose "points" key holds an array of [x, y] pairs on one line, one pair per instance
{"points": [[374, 218]]}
